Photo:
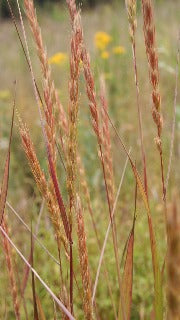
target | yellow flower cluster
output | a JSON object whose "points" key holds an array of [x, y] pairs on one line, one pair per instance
{"points": [[59, 58], [115, 50], [102, 39]]}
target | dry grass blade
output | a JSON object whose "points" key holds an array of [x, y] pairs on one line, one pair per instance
{"points": [[11, 271], [41, 312], [173, 263], [4, 187], [127, 281], [26, 275], [59, 303], [7, 251]]}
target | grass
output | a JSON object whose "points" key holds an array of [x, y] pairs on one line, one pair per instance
{"points": [[89, 141]]}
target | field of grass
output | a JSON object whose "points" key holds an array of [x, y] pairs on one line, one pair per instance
{"points": [[106, 34]]}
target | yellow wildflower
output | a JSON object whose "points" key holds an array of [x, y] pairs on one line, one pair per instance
{"points": [[101, 40], [58, 58], [105, 55], [119, 50], [4, 94]]}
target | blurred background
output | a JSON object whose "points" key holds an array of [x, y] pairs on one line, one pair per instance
{"points": [[106, 33]]}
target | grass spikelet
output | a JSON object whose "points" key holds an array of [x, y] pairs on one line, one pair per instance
{"points": [[151, 51], [106, 142], [42, 184], [72, 8], [90, 89], [152, 56], [131, 11], [76, 47], [173, 263], [83, 256], [8, 255]]}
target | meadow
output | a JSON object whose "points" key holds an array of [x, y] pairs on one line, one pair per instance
{"points": [[74, 163]]}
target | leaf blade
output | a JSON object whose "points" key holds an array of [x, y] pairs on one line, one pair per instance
{"points": [[5, 181]]}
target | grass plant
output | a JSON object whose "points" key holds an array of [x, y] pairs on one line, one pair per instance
{"points": [[88, 272]]}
